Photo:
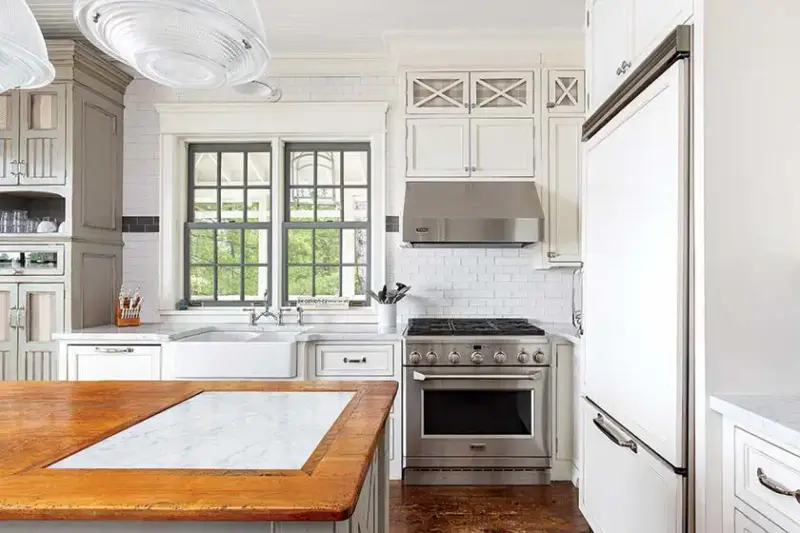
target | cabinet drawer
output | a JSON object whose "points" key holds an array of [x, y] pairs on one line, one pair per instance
{"points": [[754, 456], [354, 360], [113, 363], [743, 524]]}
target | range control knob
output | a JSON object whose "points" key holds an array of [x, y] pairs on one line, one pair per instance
{"points": [[415, 358], [523, 357], [500, 357], [454, 357], [431, 357], [538, 357], [476, 357]]}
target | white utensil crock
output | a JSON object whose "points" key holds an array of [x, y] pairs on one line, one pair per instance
{"points": [[387, 316]]}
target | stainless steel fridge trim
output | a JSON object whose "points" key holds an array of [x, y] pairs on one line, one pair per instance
{"points": [[677, 46], [639, 442]]}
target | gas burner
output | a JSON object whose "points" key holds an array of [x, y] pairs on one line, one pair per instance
{"points": [[471, 327]]}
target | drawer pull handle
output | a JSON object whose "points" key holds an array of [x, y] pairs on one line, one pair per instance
{"points": [[776, 487], [477, 447], [356, 361], [113, 350], [605, 430]]}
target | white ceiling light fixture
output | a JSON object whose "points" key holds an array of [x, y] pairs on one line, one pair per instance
{"points": [[184, 44], [270, 93], [23, 55]]}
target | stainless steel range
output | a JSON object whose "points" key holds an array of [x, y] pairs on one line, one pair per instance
{"points": [[477, 396]]}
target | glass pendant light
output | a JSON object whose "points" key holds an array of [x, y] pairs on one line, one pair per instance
{"points": [[184, 44], [23, 54]]}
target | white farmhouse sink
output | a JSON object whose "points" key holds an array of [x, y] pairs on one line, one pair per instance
{"points": [[233, 354]]}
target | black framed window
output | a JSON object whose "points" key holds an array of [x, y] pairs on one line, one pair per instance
{"points": [[326, 221], [227, 235]]}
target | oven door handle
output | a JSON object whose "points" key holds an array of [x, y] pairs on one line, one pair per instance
{"points": [[532, 376]]}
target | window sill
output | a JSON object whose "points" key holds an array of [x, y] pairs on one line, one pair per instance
{"points": [[236, 315]]}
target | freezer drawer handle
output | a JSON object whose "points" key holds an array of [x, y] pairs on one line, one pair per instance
{"points": [[533, 376], [355, 361], [601, 425], [776, 487]]}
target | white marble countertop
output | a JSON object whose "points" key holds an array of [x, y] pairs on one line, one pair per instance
{"points": [[221, 430], [560, 329], [777, 417], [160, 333]]}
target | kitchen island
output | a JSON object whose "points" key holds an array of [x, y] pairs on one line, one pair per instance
{"points": [[194, 456]]}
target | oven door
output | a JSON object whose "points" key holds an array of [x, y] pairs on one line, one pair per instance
{"points": [[477, 412]]}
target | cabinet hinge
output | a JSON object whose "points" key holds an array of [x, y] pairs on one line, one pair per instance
{"points": [[588, 17], [557, 448], [589, 100]]}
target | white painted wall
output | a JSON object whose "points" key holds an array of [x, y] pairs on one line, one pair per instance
{"points": [[474, 282], [747, 172]]}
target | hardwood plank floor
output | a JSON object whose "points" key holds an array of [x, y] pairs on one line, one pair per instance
{"points": [[520, 509]]}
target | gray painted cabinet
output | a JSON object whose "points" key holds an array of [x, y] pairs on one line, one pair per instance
{"points": [[61, 156]]}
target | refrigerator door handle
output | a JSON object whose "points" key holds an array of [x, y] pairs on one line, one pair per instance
{"points": [[774, 486], [600, 422]]}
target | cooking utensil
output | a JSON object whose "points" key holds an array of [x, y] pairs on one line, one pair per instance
{"points": [[382, 295], [374, 296], [401, 293], [390, 296]]}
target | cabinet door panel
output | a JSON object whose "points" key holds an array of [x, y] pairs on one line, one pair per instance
{"points": [[501, 93], [99, 161], [566, 91], [43, 135], [438, 147], [437, 92], [9, 137], [622, 490], [8, 331], [503, 147], [653, 22], [609, 46], [564, 216], [41, 314]]}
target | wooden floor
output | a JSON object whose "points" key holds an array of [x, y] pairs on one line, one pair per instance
{"points": [[530, 509]]}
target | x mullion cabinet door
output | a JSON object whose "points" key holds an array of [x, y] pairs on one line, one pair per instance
{"points": [[502, 93], [439, 93]]}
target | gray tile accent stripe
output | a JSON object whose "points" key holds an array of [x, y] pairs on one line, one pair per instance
{"points": [[392, 224], [140, 224]]}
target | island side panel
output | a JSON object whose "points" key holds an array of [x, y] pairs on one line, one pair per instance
{"points": [[371, 514]]}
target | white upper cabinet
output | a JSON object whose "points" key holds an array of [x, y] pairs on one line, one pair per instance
{"points": [[438, 147], [563, 191], [622, 33], [502, 147], [610, 48], [437, 93], [501, 93], [654, 20], [566, 91]]}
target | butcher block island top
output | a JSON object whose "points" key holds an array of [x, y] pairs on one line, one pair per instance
{"points": [[188, 451]]}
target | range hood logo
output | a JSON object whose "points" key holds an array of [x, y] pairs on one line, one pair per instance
{"points": [[421, 231]]}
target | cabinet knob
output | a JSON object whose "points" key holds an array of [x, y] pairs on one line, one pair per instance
{"points": [[473, 105], [474, 169], [466, 169], [466, 104], [552, 255]]}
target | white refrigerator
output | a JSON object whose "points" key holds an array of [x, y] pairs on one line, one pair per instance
{"points": [[635, 406]]}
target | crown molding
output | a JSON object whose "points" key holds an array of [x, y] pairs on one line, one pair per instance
{"points": [[490, 49], [68, 55]]}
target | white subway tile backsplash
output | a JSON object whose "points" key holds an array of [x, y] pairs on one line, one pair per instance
{"points": [[458, 282]]}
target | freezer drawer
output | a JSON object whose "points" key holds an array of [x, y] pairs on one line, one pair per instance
{"points": [[624, 488]]}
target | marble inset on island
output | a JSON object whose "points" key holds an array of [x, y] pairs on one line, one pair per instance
{"points": [[221, 430]]}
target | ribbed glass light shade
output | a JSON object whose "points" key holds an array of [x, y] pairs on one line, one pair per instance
{"points": [[23, 54], [185, 44]]}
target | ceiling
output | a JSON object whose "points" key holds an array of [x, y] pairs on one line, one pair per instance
{"points": [[357, 27]]}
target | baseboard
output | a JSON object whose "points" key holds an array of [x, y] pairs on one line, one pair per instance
{"points": [[562, 471]]}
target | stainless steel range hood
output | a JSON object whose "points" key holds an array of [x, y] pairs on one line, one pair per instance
{"points": [[472, 214]]}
